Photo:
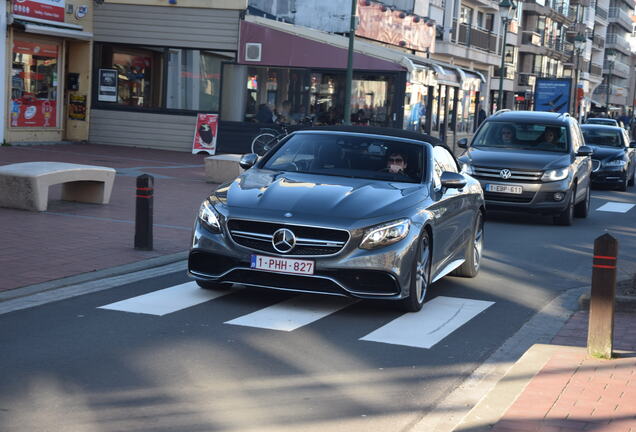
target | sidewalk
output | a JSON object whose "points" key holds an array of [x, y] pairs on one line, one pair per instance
{"points": [[78, 238], [551, 388]]}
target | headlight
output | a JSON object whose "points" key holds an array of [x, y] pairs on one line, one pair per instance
{"points": [[555, 175], [386, 234], [207, 215], [467, 169], [615, 163]]}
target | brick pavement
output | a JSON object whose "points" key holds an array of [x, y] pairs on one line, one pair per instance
{"points": [[75, 238], [575, 392]]}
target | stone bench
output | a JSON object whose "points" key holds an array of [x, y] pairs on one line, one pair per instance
{"points": [[222, 168], [26, 185]]}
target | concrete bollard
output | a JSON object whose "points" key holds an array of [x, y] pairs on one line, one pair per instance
{"points": [[600, 331], [143, 213]]}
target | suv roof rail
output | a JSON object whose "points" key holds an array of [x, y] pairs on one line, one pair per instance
{"points": [[565, 114], [503, 110]]}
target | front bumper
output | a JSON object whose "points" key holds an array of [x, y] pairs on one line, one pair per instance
{"points": [[609, 177], [353, 272], [535, 197]]}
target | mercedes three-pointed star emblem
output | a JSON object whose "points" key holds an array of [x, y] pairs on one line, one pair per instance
{"points": [[505, 174], [283, 240]]}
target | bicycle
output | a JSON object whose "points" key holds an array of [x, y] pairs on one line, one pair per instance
{"points": [[268, 138]]}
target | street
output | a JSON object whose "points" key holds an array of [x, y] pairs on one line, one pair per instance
{"points": [[163, 354]]}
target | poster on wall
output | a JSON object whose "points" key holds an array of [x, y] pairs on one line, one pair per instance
{"points": [[77, 107], [49, 10], [107, 91], [31, 112], [205, 134], [552, 95]]}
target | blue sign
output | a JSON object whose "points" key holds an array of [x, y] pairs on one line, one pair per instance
{"points": [[552, 95]]}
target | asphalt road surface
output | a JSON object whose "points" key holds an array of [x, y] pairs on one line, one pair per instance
{"points": [[164, 355]]}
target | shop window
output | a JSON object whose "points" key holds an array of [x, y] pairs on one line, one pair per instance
{"points": [[159, 78], [34, 84]]}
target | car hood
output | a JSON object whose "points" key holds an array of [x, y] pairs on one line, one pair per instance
{"points": [[603, 153], [327, 196], [515, 159]]}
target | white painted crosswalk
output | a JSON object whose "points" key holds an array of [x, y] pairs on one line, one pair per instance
{"points": [[438, 318], [167, 300], [615, 207]]}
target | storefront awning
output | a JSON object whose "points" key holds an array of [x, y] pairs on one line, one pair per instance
{"points": [[56, 31], [446, 75]]}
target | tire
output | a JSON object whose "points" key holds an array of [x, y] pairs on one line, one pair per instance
{"points": [[631, 180], [212, 285], [623, 186], [262, 143], [566, 217], [420, 276], [474, 249], [582, 209]]}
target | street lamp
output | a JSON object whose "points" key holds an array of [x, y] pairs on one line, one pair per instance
{"points": [[579, 44], [507, 8], [611, 57], [349, 78]]}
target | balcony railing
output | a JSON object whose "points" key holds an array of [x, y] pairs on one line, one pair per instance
{"points": [[596, 70], [601, 13], [474, 37], [619, 41], [598, 42], [618, 67], [623, 18]]}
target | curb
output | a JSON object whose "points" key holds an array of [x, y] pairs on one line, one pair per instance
{"points": [[29, 290], [621, 303]]}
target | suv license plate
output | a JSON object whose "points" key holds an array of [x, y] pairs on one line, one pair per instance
{"points": [[504, 188], [282, 265]]}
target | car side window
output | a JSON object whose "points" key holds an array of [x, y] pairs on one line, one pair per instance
{"points": [[576, 138]]}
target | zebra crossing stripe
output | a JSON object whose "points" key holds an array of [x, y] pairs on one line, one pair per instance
{"points": [[167, 300], [437, 319], [615, 207], [293, 313]]}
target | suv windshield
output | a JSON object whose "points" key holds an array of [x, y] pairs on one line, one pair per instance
{"points": [[522, 136], [346, 155], [602, 137]]}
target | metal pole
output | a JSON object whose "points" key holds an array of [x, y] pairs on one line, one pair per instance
{"points": [[143, 212], [349, 79], [611, 64], [633, 99], [3, 69], [575, 97], [503, 56]]}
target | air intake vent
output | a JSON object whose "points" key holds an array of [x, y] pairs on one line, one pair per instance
{"points": [[253, 52]]}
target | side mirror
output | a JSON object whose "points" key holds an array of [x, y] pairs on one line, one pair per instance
{"points": [[248, 160], [453, 180], [462, 143], [585, 151], [632, 144]]}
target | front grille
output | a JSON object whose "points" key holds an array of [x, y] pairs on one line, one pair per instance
{"points": [[596, 165], [310, 241], [524, 197], [516, 175], [283, 281], [211, 264]]}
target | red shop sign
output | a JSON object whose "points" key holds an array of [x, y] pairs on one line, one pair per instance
{"points": [[34, 48], [49, 10]]}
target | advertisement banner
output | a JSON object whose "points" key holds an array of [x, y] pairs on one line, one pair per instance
{"points": [[205, 134], [32, 112], [77, 107], [552, 95], [107, 90], [49, 10]]}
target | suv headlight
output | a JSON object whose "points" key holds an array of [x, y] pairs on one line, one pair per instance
{"points": [[207, 215], [555, 175], [615, 163], [385, 234], [467, 169]]}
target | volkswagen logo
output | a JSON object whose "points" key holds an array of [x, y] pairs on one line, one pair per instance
{"points": [[283, 240], [505, 174]]}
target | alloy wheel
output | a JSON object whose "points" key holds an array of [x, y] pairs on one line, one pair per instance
{"points": [[478, 243], [422, 271]]}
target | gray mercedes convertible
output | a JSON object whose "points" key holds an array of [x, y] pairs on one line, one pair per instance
{"points": [[363, 212]]}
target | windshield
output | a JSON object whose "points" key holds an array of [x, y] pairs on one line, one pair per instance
{"points": [[522, 136], [609, 122], [602, 137], [355, 156]]}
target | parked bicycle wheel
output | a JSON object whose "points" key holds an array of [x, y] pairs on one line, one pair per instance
{"points": [[262, 143]]}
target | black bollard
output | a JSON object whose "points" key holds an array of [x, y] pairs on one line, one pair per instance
{"points": [[600, 331], [143, 214]]}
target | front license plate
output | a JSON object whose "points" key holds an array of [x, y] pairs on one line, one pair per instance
{"points": [[282, 265], [504, 188]]}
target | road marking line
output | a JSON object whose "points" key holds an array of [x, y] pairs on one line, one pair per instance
{"points": [[437, 319], [293, 313], [167, 300], [615, 207]]}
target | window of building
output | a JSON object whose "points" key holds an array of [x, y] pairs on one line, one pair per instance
{"points": [[489, 23], [34, 84], [159, 78], [466, 15], [480, 19]]}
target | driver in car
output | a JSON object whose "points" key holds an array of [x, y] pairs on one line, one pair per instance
{"points": [[396, 163]]}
